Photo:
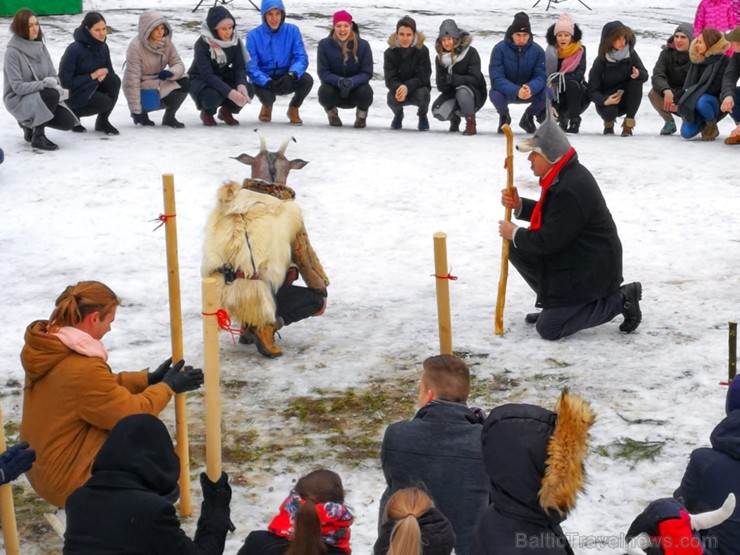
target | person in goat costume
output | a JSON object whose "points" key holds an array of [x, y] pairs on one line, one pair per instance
{"points": [[256, 245]]}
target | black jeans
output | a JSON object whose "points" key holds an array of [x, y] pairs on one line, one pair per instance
{"points": [[103, 100], [63, 119], [420, 97], [628, 105], [210, 100], [301, 87], [295, 303], [573, 101], [172, 102], [360, 97]]}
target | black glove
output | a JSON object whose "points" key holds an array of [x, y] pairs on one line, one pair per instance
{"points": [[283, 84], [164, 75], [450, 79], [187, 380], [345, 87], [156, 376], [216, 499], [15, 461]]}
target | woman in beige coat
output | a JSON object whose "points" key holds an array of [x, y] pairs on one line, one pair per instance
{"points": [[153, 64]]}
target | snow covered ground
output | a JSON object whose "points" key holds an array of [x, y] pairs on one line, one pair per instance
{"points": [[372, 200]]}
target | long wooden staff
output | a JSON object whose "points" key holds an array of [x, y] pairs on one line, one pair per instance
{"points": [[7, 510], [443, 293], [173, 279], [212, 380], [501, 300]]}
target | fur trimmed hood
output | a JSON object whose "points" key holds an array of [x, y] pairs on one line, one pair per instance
{"points": [[718, 48], [418, 41], [461, 44], [535, 458]]}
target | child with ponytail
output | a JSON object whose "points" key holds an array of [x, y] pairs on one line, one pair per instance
{"points": [[413, 526]]}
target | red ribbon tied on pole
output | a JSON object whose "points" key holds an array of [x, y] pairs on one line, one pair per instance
{"points": [[162, 219], [224, 322]]}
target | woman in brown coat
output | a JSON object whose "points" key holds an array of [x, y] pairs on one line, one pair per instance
{"points": [[71, 396]]}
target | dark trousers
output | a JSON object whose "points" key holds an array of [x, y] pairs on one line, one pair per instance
{"points": [[172, 102], [562, 321], [63, 119], [536, 103], [103, 100], [299, 89], [573, 101], [420, 97], [210, 100], [295, 303], [360, 97], [628, 105]]}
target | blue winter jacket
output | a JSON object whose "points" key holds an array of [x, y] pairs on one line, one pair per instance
{"points": [[332, 68], [275, 53], [85, 55], [712, 473], [512, 66]]}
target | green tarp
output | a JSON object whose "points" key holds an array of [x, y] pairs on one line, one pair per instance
{"points": [[40, 7]]}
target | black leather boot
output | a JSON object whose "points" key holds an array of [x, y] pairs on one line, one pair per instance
{"points": [[39, 140]]}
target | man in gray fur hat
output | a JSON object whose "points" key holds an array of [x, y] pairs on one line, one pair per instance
{"points": [[570, 254]]}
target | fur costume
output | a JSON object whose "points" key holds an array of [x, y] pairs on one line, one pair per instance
{"points": [[259, 237]]}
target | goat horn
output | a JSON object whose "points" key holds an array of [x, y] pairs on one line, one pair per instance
{"points": [[638, 544], [285, 144], [263, 144], [710, 519]]}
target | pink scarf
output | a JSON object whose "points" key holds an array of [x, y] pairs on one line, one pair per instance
{"points": [[81, 342]]}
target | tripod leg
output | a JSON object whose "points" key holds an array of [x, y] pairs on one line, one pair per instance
{"points": [[535, 4], [582, 2], [198, 6]]}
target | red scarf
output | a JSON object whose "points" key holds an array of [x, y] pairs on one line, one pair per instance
{"points": [[535, 222], [335, 519]]}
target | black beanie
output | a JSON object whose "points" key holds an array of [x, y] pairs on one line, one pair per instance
{"points": [[520, 24]]}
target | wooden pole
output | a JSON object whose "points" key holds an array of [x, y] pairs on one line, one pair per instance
{"points": [[212, 379], [173, 280], [504, 276], [7, 510], [443, 293], [732, 367]]}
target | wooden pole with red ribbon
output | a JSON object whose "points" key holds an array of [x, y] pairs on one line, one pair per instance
{"points": [[173, 280], [441, 274], [212, 379], [504, 276], [7, 509]]}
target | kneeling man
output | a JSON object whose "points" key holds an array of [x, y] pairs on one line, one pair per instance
{"points": [[570, 254]]}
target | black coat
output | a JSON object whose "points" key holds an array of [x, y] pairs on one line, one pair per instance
{"points": [[439, 450], [85, 55], [704, 77], [407, 66], [577, 245], [671, 68], [332, 67], [262, 542], [710, 476], [437, 537], [732, 74], [205, 71], [515, 440], [126, 507], [465, 70]]}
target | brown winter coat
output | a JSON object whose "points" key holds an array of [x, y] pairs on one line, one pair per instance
{"points": [[144, 62], [70, 403]]}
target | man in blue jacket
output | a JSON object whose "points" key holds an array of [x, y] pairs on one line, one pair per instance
{"points": [[517, 72], [278, 62], [439, 450]]}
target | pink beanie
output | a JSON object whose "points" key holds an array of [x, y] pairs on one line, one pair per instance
{"points": [[564, 24], [341, 15]]}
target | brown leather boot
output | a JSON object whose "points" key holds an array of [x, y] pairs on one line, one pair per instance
{"points": [[266, 113], [225, 115], [361, 119], [264, 338], [333, 116], [293, 116], [470, 125], [627, 126], [207, 119], [710, 131]]}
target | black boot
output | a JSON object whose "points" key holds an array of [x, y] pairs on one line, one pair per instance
{"points": [[104, 126], [39, 140], [170, 121], [454, 123], [27, 132], [631, 295], [503, 119], [574, 125], [527, 123]]}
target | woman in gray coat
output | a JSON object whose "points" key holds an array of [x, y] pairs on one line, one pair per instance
{"points": [[31, 92]]}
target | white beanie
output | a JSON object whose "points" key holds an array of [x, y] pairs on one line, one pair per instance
{"points": [[564, 24]]}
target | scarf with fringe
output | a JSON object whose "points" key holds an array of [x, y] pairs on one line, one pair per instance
{"points": [[218, 45]]}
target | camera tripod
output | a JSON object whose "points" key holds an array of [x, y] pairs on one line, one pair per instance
{"points": [[550, 2]]}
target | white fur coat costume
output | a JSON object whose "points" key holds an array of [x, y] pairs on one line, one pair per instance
{"points": [[260, 236]]}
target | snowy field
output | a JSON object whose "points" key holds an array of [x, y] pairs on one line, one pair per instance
{"points": [[372, 201]]}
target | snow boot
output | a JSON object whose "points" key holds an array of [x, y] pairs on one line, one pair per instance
{"points": [[710, 131], [360, 119], [333, 116]]}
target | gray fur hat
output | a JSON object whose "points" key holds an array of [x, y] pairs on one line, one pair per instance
{"points": [[549, 140], [449, 28], [687, 29]]}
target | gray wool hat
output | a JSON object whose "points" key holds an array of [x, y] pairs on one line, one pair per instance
{"points": [[549, 140], [449, 28], [685, 28]]}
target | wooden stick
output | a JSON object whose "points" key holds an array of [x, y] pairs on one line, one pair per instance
{"points": [[7, 510], [443, 293], [173, 279], [212, 381], [504, 276], [732, 367]]}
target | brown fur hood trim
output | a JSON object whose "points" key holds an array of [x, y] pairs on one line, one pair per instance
{"points": [[718, 47], [465, 40], [565, 475], [418, 41]]}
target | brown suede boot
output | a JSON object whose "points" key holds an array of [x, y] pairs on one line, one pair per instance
{"points": [[361, 119], [225, 115], [733, 140], [333, 116], [470, 128], [264, 338], [710, 131], [207, 119], [627, 126], [266, 113], [293, 116]]}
